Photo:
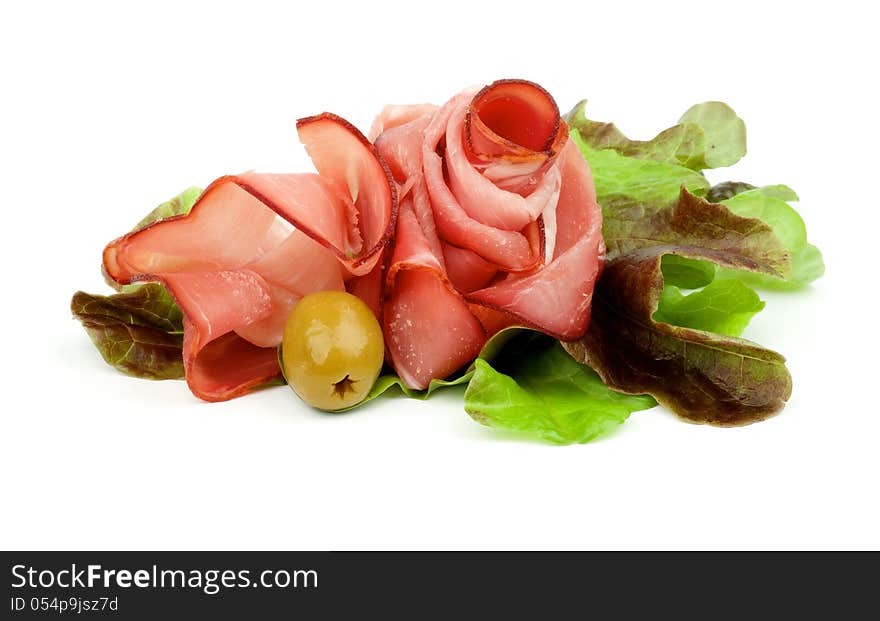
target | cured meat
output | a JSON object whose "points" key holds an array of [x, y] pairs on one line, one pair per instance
{"points": [[556, 298], [499, 225], [429, 330], [254, 244]]}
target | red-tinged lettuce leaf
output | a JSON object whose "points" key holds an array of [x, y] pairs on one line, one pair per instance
{"points": [[696, 368], [702, 376], [140, 330], [636, 179], [708, 135], [721, 236], [140, 333]]}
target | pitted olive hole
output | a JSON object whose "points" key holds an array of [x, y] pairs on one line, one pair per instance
{"points": [[343, 387]]}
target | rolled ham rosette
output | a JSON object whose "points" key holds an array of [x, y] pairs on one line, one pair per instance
{"points": [[498, 225]]}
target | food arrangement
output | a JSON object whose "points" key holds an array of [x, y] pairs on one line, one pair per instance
{"points": [[566, 274]]}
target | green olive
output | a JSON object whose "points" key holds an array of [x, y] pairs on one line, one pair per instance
{"points": [[332, 350]]}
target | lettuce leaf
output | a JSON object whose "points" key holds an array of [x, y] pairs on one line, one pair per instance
{"points": [[708, 135], [390, 380], [702, 376], [770, 204], [624, 183], [687, 273], [724, 134], [139, 333], [723, 306], [524, 381], [648, 334], [177, 206], [692, 221], [536, 388], [695, 368], [637, 179]]}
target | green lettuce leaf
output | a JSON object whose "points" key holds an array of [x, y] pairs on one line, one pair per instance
{"points": [[390, 380], [687, 273], [770, 204], [637, 179], [723, 131], [524, 381], [647, 334], [177, 206], [708, 135], [625, 183], [140, 333], [723, 306], [536, 388]]}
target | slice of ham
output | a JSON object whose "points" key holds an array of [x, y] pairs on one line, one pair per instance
{"points": [[499, 226], [254, 244], [556, 299], [527, 133], [429, 330], [395, 116], [510, 250]]}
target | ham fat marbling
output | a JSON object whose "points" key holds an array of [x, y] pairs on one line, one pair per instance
{"points": [[461, 220]]}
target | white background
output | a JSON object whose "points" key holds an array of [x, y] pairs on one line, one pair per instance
{"points": [[107, 110]]}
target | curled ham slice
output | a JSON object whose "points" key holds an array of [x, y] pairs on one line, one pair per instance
{"points": [[429, 330], [254, 244], [499, 225]]}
